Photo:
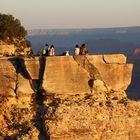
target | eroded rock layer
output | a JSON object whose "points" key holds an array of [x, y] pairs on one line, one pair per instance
{"points": [[78, 75], [84, 118], [67, 98]]}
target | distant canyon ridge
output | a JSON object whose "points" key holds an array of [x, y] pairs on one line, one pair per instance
{"points": [[99, 41]]}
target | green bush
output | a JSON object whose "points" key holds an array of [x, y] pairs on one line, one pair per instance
{"points": [[12, 32], [10, 27]]}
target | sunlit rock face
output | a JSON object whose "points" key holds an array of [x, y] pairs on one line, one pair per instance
{"points": [[17, 48], [16, 100], [68, 75], [33, 67], [7, 77], [7, 50], [63, 75], [82, 118], [113, 70], [67, 98]]}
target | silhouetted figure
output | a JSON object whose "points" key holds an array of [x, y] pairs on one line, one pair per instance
{"points": [[45, 50]]}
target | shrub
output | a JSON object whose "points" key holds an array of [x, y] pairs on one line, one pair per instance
{"points": [[10, 27]]}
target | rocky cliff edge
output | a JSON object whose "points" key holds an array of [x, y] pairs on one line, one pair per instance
{"points": [[67, 98]]}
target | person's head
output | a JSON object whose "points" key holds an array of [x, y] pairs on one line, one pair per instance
{"points": [[46, 45], [83, 45], [77, 46], [52, 46]]}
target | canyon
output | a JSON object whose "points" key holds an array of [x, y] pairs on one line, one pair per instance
{"points": [[67, 98]]}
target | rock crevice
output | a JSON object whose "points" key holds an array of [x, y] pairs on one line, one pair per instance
{"points": [[66, 98]]}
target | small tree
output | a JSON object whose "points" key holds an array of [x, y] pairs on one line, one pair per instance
{"points": [[10, 27], [12, 32]]}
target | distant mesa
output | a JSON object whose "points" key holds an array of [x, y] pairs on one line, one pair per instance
{"points": [[136, 52], [52, 31]]}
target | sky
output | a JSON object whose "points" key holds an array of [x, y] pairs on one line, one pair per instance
{"points": [[49, 14]]}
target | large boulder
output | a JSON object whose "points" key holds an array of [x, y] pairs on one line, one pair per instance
{"points": [[62, 75], [114, 71], [33, 67], [23, 82]]}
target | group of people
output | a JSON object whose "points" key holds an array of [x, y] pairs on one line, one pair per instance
{"points": [[81, 50], [50, 50]]}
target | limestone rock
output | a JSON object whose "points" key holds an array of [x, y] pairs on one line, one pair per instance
{"points": [[7, 77], [68, 75], [84, 99], [15, 48], [114, 59], [33, 67], [27, 51], [62, 75], [23, 82], [115, 76], [85, 119], [99, 86], [7, 50]]}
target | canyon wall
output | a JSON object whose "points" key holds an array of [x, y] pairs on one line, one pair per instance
{"points": [[67, 98]]}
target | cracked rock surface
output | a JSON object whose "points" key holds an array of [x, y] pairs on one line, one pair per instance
{"points": [[67, 98]]}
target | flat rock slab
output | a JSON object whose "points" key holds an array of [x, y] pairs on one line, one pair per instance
{"points": [[63, 75]]}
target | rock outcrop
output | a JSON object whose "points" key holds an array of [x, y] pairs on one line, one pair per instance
{"points": [[67, 98], [84, 118], [7, 77], [17, 48], [78, 75]]}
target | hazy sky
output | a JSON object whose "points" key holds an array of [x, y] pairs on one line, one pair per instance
{"points": [[35, 14]]}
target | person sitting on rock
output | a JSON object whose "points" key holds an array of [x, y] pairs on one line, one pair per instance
{"points": [[44, 52], [47, 50], [83, 50], [77, 50], [52, 51]]}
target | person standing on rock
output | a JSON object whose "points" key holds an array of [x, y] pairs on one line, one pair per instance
{"points": [[52, 51]]}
